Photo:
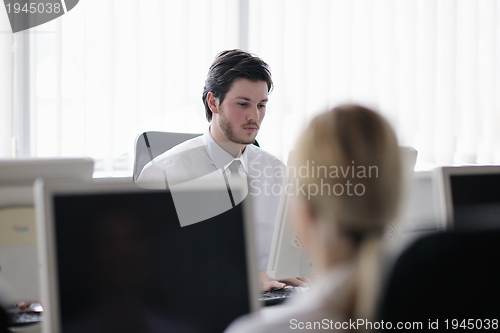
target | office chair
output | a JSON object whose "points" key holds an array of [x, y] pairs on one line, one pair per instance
{"points": [[3, 321], [445, 276], [150, 144]]}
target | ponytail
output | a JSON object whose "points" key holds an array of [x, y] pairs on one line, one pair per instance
{"points": [[362, 291]]}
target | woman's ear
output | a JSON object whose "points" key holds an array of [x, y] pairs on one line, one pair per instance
{"points": [[213, 102]]}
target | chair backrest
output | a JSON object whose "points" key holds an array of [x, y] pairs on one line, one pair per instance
{"points": [[445, 276], [4, 321], [148, 145]]}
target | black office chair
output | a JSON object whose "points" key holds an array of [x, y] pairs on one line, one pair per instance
{"points": [[3, 321], [445, 276]]}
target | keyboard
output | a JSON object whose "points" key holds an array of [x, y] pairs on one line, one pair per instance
{"points": [[277, 296], [23, 318], [31, 314]]}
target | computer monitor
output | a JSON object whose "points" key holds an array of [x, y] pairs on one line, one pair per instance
{"points": [[18, 251], [469, 197], [288, 259], [419, 217], [394, 230], [420, 212], [115, 258]]}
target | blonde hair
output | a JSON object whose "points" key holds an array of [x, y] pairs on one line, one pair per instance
{"points": [[357, 146]]}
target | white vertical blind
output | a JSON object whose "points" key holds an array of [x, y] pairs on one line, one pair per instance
{"points": [[488, 52], [431, 67], [110, 69], [445, 80], [425, 97]]}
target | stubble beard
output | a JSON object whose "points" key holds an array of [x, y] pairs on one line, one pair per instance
{"points": [[228, 130]]}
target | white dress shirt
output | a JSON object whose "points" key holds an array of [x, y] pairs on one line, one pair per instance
{"points": [[202, 158], [317, 310]]}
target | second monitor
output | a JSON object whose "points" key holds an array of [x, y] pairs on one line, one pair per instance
{"points": [[469, 197]]}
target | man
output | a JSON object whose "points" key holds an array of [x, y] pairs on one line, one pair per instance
{"points": [[235, 97]]}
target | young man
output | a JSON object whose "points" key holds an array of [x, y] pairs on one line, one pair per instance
{"points": [[235, 97]]}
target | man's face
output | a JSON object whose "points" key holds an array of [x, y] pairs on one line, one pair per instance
{"points": [[243, 110]]}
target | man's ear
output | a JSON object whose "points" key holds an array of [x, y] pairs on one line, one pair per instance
{"points": [[213, 102]]}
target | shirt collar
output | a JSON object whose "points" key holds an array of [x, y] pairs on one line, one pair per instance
{"points": [[221, 158]]}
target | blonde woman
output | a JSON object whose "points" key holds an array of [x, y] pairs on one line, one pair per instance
{"points": [[350, 193]]}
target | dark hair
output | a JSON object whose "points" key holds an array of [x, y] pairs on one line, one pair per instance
{"points": [[229, 65]]}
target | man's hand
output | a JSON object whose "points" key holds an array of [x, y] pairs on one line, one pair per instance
{"points": [[29, 306], [266, 283]]}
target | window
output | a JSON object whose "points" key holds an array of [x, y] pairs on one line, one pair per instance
{"points": [[110, 69]]}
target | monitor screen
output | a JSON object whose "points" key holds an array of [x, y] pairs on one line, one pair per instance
{"points": [[126, 265], [476, 201]]}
